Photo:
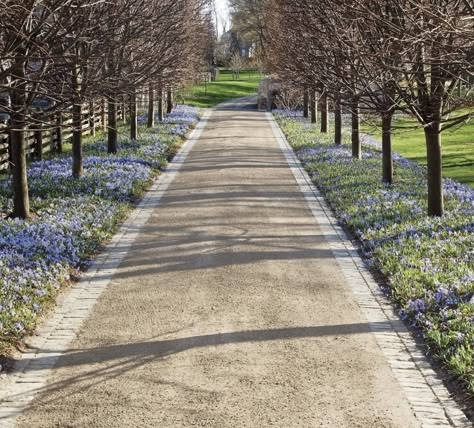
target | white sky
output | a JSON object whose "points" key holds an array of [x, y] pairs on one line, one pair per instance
{"points": [[223, 11]]}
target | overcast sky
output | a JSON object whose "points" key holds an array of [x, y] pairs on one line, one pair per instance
{"points": [[223, 11]]}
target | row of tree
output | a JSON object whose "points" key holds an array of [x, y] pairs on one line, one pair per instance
{"points": [[58, 55], [380, 56]]}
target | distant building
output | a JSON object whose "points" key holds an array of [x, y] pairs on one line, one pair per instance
{"points": [[247, 49], [234, 42]]}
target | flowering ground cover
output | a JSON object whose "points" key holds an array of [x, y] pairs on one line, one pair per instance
{"points": [[427, 263], [73, 217]]}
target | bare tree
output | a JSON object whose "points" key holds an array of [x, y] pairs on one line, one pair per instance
{"points": [[29, 31], [248, 19], [382, 56], [438, 50], [69, 53], [236, 64]]}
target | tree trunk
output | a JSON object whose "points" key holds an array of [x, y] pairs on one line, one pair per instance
{"points": [[123, 110], [103, 117], [151, 107], [356, 148], [169, 101], [313, 107], [324, 113], [92, 117], [133, 115], [10, 150], [21, 199], [77, 156], [59, 133], [38, 143], [112, 134], [306, 104], [435, 169], [337, 120], [387, 160], [160, 104]]}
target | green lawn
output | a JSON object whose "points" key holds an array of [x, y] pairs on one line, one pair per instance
{"points": [[211, 94], [457, 142]]}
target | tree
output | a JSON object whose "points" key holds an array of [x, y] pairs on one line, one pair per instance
{"points": [[67, 53], [438, 48], [76, 77], [248, 19], [383, 56], [422, 51], [236, 64], [28, 32]]}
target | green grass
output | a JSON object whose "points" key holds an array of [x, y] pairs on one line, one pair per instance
{"points": [[457, 142], [211, 94]]}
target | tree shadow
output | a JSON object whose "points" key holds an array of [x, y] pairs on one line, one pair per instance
{"points": [[100, 364], [244, 103]]}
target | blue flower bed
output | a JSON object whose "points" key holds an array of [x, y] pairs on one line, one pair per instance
{"points": [[428, 262], [73, 217], [184, 115], [112, 178]]}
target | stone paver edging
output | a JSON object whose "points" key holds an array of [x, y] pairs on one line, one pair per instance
{"points": [[52, 339], [425, 392]]}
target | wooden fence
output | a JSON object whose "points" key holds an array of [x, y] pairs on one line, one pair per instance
{"points": [[57, 132]]}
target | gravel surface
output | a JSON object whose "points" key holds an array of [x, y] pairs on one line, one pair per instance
{"points": [[229, 311]]}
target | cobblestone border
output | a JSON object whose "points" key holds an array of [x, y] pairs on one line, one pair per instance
{"points": [[425, 391], [53, 337]]}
